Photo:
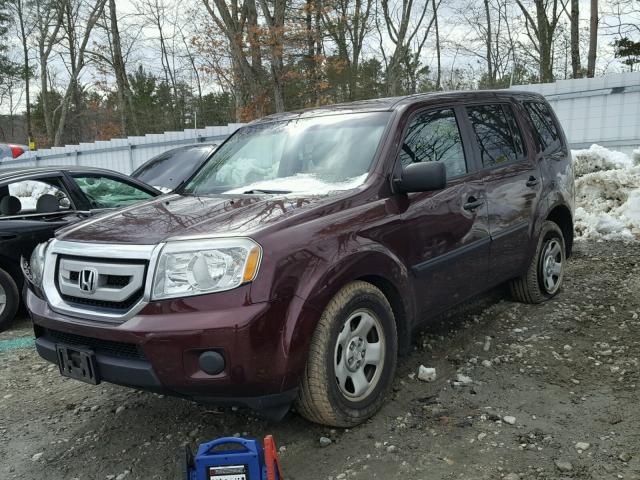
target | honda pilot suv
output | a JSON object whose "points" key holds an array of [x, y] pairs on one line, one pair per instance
{"points": [[295, 264]]}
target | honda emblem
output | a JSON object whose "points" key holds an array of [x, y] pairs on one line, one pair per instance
{"points": [[88, 280]]}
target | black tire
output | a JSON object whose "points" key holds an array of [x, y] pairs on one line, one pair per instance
{"points": [[321, 399], [8, 290], [534, 285]]}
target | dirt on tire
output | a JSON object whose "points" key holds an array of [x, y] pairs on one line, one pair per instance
{"points": [[543, 391]]}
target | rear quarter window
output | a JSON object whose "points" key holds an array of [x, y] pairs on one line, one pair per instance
{"points": [[545, 128]]}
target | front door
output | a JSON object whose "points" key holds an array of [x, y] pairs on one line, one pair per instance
{"points": [[513, 184], [443, 235]]}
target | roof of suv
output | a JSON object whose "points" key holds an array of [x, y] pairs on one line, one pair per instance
{"points": [[393, 103]]}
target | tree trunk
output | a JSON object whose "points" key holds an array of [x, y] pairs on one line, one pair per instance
{"points": [[46, 41], [275, 22], [575, 38], [490, 74], [27, 70], [310, 6], [435, 19], [125, 97], [44, 96], [593, 39]]}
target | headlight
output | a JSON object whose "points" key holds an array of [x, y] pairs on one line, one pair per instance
{"points": [[194, 267], [36, 263]]}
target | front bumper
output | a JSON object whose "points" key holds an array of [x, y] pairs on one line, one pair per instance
{"points": [[158, 349]]}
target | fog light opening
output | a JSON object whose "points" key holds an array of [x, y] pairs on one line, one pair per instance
{"points": [[211, 362]]}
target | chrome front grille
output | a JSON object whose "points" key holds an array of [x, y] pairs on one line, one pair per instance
{"points": [[103, 282]]}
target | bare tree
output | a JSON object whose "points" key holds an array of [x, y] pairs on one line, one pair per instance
{"points": [[156, 15], [25, 25], [239, 21], [49, 14], [489, 37], [621, 18], [76, 51], [541, 31], [398, 18], [128, 120], [347, 23]]}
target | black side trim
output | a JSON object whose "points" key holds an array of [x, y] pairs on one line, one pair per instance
{"points": [[421, 269], [505, 232]]}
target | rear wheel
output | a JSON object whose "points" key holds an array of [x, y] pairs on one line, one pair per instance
{"points": [[9, 299], [544, 276], [352, 358]]}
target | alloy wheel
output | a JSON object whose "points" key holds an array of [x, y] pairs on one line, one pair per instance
{"points": [[359, 355], [551, 266]]}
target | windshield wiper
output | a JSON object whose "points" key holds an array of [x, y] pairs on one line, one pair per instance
{"points": [[268, 192]]}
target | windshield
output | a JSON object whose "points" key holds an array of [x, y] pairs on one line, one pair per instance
{"points": [[306, 155]]}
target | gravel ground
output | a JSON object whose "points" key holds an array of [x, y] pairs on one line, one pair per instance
{"points": [[522, 392]]}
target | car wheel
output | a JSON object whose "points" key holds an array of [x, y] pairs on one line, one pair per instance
{"points": [[352, 358], [9, 299], [544, 276]]}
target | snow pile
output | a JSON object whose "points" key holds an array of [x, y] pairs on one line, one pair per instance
{"points": [[607, 194], [597, 158]]}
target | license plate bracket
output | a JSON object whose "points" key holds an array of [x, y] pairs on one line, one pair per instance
{"points": [[77, 363]]}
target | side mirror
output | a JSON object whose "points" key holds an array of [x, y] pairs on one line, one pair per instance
{"points": [[422, 177]]}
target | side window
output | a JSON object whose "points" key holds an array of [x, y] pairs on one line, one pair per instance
{"points": [[545, 127], [497, 133], [45, 195], [106, 192], [434, 136]]}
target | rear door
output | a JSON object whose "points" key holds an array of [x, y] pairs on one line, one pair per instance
{"points": [[443, 235], [512, 181]]}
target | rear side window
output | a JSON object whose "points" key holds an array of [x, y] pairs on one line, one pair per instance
{"points": [[546, 130], [497, 132], [434, 136]]}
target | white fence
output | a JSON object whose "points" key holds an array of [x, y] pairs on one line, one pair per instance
{"points": [[603, 110], [120, 154]]}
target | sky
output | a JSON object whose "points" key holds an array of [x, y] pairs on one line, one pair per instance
{"points": [[146, 53]]}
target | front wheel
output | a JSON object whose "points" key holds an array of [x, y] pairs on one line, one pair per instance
{"points": [[352, 358], [544, 276]]}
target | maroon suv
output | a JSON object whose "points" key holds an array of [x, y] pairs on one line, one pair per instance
{"points": [[298, 260]]}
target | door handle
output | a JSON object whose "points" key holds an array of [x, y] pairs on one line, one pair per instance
{"points": [[533, 181], [473, 203]]}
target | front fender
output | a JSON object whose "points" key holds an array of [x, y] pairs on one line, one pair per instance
{"points": [[314, 291]]}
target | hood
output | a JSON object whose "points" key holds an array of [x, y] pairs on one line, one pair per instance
{"points": [[171, 216]]}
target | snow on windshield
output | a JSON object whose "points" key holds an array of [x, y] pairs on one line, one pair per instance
{"points": [[607, 194], [302, 184]]}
